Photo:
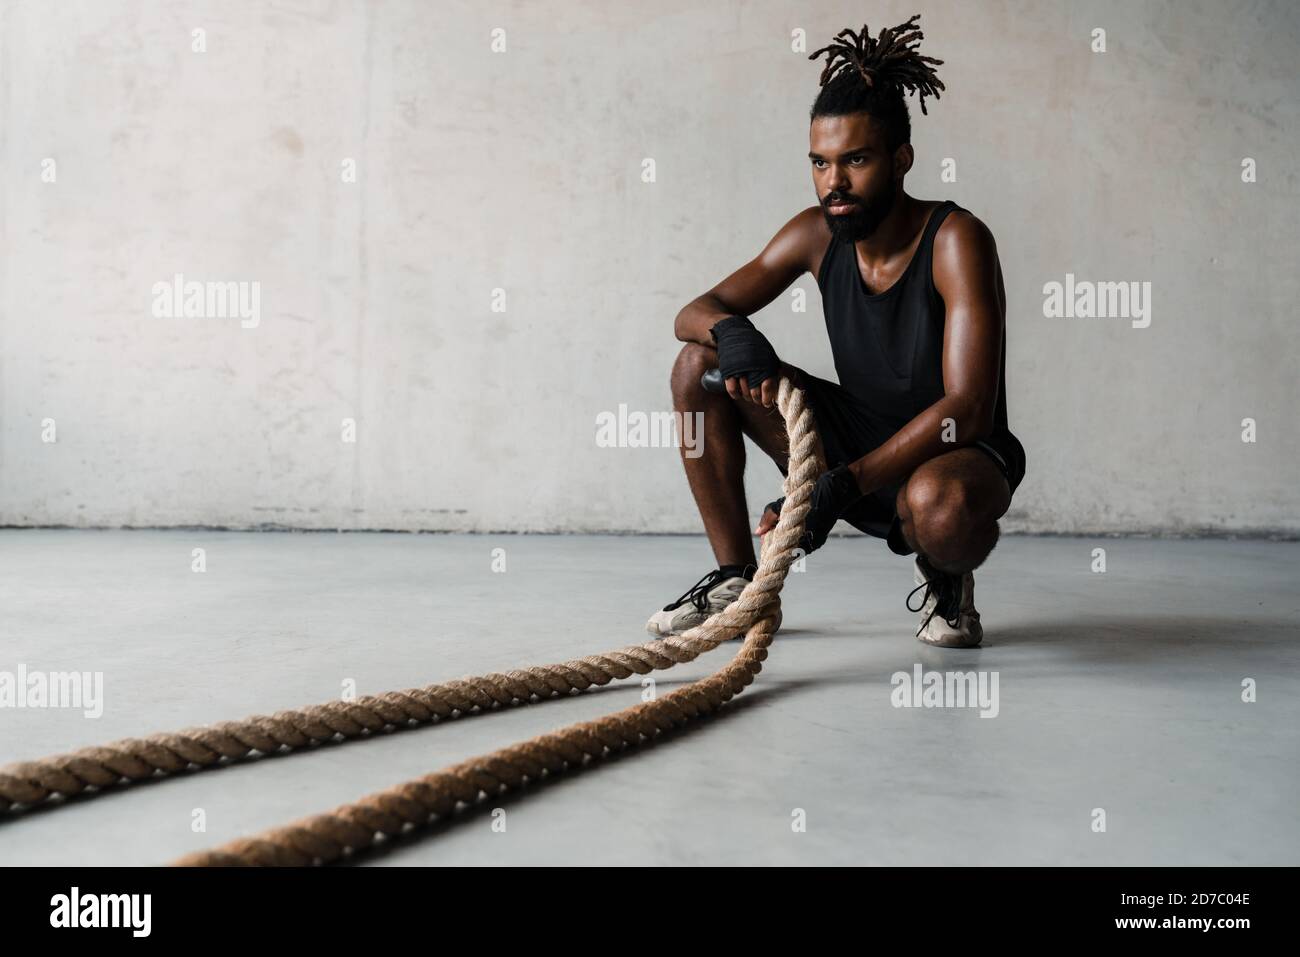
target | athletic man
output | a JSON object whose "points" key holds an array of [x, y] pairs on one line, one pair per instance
{"points": [[915, 432]]}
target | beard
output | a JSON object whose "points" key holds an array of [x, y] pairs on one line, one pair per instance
{"points": [[864, 220]]}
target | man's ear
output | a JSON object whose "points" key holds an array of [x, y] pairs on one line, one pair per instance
{"points": [[903, 159]]}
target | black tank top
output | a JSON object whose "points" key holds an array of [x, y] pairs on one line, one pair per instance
{"points": [[888, 347]]}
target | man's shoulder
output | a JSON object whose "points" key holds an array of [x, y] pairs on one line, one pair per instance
{"points": [[963, 233], [963, 250], [801, 240], [812, 223], [814, 235]]}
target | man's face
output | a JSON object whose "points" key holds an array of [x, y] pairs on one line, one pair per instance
{"points": [[853, 170]]}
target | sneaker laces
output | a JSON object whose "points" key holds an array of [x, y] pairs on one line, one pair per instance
{"points": [[698, 594], [946, 590]]}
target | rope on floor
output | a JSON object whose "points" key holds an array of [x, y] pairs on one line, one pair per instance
{"points": [[327, 837]]}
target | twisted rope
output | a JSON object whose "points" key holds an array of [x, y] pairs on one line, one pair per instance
{"points": [[326, 837]]}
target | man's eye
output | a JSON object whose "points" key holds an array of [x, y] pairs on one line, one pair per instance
{"points": [[858, 159]]}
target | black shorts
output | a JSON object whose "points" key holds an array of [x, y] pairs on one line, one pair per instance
{"points": [[848, 432]]}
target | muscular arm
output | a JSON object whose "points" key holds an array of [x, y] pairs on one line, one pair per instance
{"points": [[967, 275], [755, 284]]}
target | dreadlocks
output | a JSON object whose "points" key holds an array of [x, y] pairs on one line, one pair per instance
{"points": [[871, 74]]}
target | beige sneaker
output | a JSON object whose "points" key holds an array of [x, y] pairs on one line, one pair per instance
{"points": [[948, 615], [706, 598]]}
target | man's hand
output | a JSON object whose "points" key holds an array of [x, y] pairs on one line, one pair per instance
{"points": [[834, 492], [747, 361], [771, 514]]}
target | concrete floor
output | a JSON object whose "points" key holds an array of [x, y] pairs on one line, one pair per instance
{"points": [[1119, 691]]}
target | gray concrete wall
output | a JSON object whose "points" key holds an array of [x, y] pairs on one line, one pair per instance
{"points": [[522, 171]]}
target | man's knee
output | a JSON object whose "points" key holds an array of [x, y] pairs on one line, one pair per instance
{"points": [[692, 362], [944, 523]]}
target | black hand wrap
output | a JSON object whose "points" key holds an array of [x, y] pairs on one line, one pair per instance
{"points": [[743, 350], [834, 492]]}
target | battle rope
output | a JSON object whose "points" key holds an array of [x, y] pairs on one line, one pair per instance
{"points": [[326, 837]]}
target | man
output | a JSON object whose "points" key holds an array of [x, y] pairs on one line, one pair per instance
{"points": [[915, 432]]}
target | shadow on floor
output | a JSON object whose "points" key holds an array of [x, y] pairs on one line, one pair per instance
{"points": [[1150, 636]]}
